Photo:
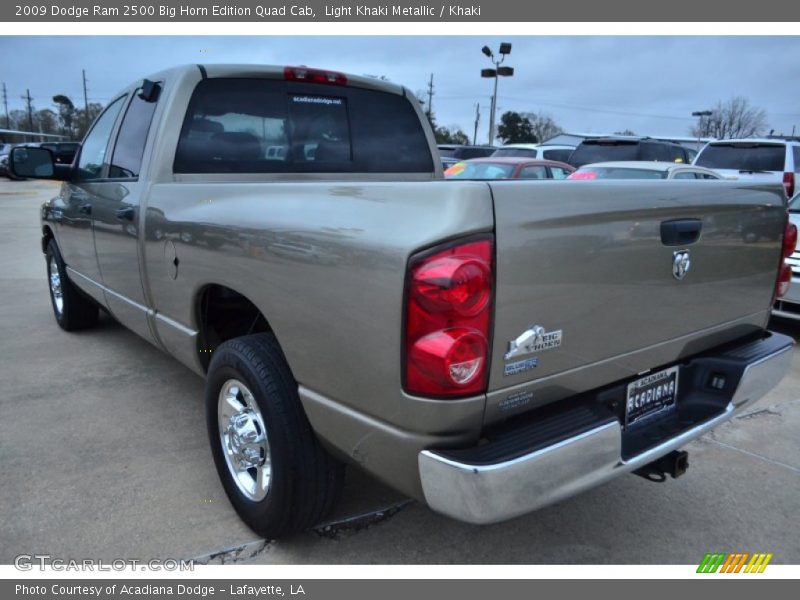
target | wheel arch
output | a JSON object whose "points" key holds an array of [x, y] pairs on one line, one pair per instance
{"points": [[47, 235], [223, 313]]}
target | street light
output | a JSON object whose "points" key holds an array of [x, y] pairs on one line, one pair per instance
{"points": [[496, 73], [700, 114]]}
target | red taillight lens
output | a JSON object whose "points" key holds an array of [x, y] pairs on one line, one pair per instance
{"points": [[784, 280], [448, 316], [788, 184], [583, 175], [453, 283], [789, 240], [307, 75]]}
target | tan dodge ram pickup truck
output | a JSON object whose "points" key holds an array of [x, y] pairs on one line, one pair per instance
{"points": [[484, 347]]}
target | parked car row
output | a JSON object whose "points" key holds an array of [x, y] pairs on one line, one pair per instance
{"points": [[768, 161]]}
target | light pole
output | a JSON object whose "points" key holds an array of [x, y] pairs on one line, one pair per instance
{"points": [[496, 73], [700, 114]]}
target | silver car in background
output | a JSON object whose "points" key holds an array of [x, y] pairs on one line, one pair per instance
{"points": [[641, 169]]}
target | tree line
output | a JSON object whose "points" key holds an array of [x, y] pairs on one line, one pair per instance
{"points": [[67, 120], [734, 118]]}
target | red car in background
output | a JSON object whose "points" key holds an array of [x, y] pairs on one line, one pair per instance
{"points": [[512, 167]]}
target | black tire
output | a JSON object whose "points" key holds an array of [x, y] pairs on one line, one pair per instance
{"points": [[305, 480], [77, 310]]}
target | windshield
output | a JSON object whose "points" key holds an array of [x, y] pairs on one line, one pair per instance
{"points": [[743, 157], [479, 170], [794, 205]]}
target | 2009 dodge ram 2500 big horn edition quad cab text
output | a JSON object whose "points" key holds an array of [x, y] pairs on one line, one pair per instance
{"points": [[484, 347]]}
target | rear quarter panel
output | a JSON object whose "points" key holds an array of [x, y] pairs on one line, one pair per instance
{"points": [[325, 263]]}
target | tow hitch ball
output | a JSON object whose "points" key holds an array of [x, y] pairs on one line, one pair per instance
{"points": [[674, 464]]}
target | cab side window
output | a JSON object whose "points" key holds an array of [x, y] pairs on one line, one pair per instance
{"points": [[95, 146], [127, 158]]}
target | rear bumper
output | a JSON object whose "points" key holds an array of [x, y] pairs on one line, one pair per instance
{"points": [[502, 479]]}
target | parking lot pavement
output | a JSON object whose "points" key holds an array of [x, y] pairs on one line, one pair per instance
{"points": [[103, 454]]}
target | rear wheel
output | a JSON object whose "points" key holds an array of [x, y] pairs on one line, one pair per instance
{"points": [[275, 472], [71, 308]]}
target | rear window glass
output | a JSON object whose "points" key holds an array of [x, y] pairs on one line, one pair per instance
{"points": [[593, 152], [796, 154], [479, 170], [743, 157], [269, 126], [557, 155], [525, 152]]}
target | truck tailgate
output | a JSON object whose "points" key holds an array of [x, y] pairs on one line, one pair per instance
{"points": [[583, 267]]}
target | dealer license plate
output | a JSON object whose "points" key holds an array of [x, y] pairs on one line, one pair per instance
{"points": [[651, 394]]}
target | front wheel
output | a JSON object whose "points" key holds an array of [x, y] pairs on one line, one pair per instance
{"points": [[275, 472], [71, 308]]}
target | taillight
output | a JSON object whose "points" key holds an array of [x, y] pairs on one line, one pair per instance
{"points": [[784, 280], [448, 316], [789, 240], [785, 272], [788, 184], [583, 175], [306, 75]]}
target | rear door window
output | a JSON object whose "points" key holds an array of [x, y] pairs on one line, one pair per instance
{"points": [[743, 157], [533, 172], [129, 149], [271, 126]]}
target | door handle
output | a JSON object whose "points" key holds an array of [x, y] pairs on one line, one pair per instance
{"points": [[86, 209], [126, 213], [680, 232]]}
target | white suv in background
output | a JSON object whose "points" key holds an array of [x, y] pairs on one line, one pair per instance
{"points": [[537, 151], [767, 160], [789, 305]]}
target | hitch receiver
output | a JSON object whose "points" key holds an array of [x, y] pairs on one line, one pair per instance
{"points": [[673, 464]]}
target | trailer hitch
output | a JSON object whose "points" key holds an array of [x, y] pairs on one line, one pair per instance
{"points": [[673, 464]]}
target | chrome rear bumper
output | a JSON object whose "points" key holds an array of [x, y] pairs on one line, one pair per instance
{"points": [[477, 492]]}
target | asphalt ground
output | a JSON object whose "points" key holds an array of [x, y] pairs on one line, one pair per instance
{"points": [[103, 454]]}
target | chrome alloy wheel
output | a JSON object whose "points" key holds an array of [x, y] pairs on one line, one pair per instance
{"points": [[244, 440], [55, 286]]}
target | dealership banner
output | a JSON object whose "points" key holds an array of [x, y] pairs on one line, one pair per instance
{"points": [[397, 589], [395, 10]]}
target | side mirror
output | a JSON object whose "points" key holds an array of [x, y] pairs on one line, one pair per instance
{"points": [[35, 163]]}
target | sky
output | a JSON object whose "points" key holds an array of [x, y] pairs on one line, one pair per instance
{"points": [[648, 84]]}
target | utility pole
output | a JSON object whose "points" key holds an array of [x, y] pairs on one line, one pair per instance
{"points": [[5, 103], [28, 99], [430, 99], [477, 120], [85, 103]]}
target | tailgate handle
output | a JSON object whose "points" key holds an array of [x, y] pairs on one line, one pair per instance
{"points": [[680, 232]]}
